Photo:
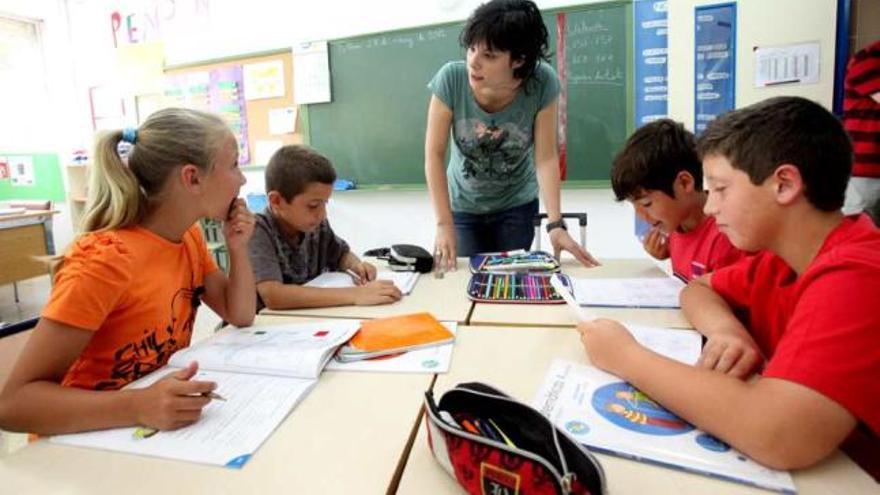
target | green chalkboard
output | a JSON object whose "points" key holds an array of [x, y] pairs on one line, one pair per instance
{"points": [[45, 181], [373, 131]]}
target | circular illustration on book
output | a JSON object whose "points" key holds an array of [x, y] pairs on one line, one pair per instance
{"points": [[430, 363], [631, 409], [709, 442]]}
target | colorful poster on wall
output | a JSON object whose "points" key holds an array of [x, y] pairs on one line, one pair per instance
{"points": [[4, 168], [264, 80], [188, 90], [227, 99], [651, 47], [715, 63], [219, 91]]}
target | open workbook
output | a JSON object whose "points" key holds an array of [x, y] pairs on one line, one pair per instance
{"points": [[405, 281], [648, 292], [609, 415], [262, 373]]}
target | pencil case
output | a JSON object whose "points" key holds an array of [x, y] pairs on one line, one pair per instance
{"points": [[514, 261], [516, 288], [490, 443]]}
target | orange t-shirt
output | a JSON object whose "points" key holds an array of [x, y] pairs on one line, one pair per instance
{"points": [[135, 290]]}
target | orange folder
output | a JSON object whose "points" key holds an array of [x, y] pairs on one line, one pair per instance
{"points": [[396, 334]]}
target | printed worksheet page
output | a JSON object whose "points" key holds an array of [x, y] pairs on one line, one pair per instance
{"points": [[227, 434]]}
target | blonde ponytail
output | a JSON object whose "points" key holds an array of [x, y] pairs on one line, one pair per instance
{"points": [[119, 192], [115, 198]]}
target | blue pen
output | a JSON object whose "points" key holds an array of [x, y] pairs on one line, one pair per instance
{"points": [[486, 431]]}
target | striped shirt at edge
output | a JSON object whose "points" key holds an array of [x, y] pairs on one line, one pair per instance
{"points": [[861, 113]]}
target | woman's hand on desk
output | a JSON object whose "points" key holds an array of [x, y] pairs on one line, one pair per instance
{"points": [[376, 292], [563, 242], [174, 401], [444, 246]]}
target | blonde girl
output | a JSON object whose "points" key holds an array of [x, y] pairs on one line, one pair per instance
{"points": [[125, 296]]}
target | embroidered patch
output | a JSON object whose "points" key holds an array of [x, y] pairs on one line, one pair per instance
{"points": [[497, 481]]}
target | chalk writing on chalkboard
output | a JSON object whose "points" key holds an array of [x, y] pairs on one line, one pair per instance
{"points": [[409, 40]]}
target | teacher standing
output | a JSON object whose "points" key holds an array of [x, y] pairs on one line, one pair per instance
{"points": [[500, 108]]}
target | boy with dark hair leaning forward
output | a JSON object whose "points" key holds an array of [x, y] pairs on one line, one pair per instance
{"points": [[776, 172], [659, 172]]}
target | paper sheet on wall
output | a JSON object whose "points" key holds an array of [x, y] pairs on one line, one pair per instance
{"points": [[311, 73], [228, 432], [21, 170], [282, 120], [797, 63], [264, 80]]}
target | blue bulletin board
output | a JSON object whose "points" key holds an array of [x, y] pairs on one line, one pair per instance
{"points": [[714, 62], [650, 57]]}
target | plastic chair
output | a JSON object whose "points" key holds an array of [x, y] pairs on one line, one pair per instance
{"points": [[213, 232]]}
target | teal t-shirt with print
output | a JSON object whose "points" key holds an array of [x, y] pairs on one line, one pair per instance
{"points": [[491, 165]]}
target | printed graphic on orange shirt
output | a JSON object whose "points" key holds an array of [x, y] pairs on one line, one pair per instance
{"points": [[156, 345]]}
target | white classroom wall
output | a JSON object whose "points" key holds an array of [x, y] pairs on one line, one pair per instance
{"points": [[55, 125], [372, 218], [759, 23]]}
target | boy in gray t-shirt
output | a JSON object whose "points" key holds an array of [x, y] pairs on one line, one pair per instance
{"points": [[293, 242]]}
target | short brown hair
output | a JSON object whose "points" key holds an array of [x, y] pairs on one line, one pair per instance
{"points": [[293, 167], [787, 129], [652, 158]]}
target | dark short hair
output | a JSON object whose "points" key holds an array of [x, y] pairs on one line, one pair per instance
{"points": [[651, 159], [513, 26], [293, 167], [787, 129]]}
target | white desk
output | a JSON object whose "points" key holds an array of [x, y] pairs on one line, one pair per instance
{"points": [[516, 362], [445, 298], [347, 436], [558, 315]]}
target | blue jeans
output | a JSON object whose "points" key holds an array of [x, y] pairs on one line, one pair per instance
{"points": [[500, 231]]}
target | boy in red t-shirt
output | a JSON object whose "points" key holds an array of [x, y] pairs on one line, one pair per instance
{"points": [[777, 172], [659, 172]]}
